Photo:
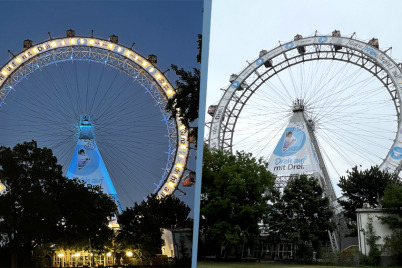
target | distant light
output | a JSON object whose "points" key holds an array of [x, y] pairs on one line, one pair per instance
{"points": [[10, 66], [129, 254], [91, 42], [183, 146], [165, 192], [109, 254], [182, 127], [53, 44], [101, 43], [169, 92], [72, 41], [128, 53], [63, 43], [144, 63], [4, 73], [181, 155], [151, 70], [158, 76], [136, 57], [119, 49], [171, 184], [77, 255], [44, 46], [164, 83], [178, 165], [35, 50], [110, 46], [60, 255], [82, 41]]}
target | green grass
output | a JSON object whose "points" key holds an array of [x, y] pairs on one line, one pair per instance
{"points": [[211, 264]]}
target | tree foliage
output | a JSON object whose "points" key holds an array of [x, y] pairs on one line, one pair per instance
{"points": [[363, 186], [392, 202], [301, 214], [235, 191], [41, 206], [186, 99], [373, 257], [140, 225]]}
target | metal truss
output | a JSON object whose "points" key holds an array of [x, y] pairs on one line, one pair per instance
{"points": [[288, 59]]}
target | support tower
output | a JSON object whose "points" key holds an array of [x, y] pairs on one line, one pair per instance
{"points": [[87, 163], [297, 153]]}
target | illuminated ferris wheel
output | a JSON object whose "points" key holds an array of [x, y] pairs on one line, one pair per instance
{"points": [[47, 89], [351, 94]]}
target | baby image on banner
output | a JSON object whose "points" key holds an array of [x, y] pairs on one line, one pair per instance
{"points": [[292, 141], [289, 141], [83, 159]]}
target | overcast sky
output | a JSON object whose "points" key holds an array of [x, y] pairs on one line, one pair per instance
{"points": [[240, 29]]}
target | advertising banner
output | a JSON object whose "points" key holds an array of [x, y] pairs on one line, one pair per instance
{"points": [[87, 165], [294, 153]]}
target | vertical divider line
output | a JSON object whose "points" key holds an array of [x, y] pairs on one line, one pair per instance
{"points": [[206, 24]]}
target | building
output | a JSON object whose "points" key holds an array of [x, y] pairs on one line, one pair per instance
{"points": [[178, 243], [365, 216]]}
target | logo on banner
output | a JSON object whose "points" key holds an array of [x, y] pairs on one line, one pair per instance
{"points": [[291, 142], [289, 45], [322, 39], [396, 153], [235, 84], [259, 61]]}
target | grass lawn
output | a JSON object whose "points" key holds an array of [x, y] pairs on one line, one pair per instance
{"points": [[211, 264]]}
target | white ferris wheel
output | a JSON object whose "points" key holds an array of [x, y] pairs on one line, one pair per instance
{"points": [[351, 90]]}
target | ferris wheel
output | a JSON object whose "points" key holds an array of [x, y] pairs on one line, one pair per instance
{"points": [[351, 90], [45, 89]]}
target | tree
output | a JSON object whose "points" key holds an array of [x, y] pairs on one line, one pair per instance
{"points": [[235, 191], [140, 225], [301, 214], [373, 257], [363, 186], [86, 213], [40, 205], [392, 203], [186, 99]]}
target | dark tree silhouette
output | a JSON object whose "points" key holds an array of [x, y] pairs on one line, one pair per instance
{"points": [[41, 206]]}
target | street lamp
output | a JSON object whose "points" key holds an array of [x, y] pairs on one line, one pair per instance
{"points": [[61, 259], [108, 255]]}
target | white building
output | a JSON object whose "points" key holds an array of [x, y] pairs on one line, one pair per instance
{"points": [[177, 242], [380, 230]]}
